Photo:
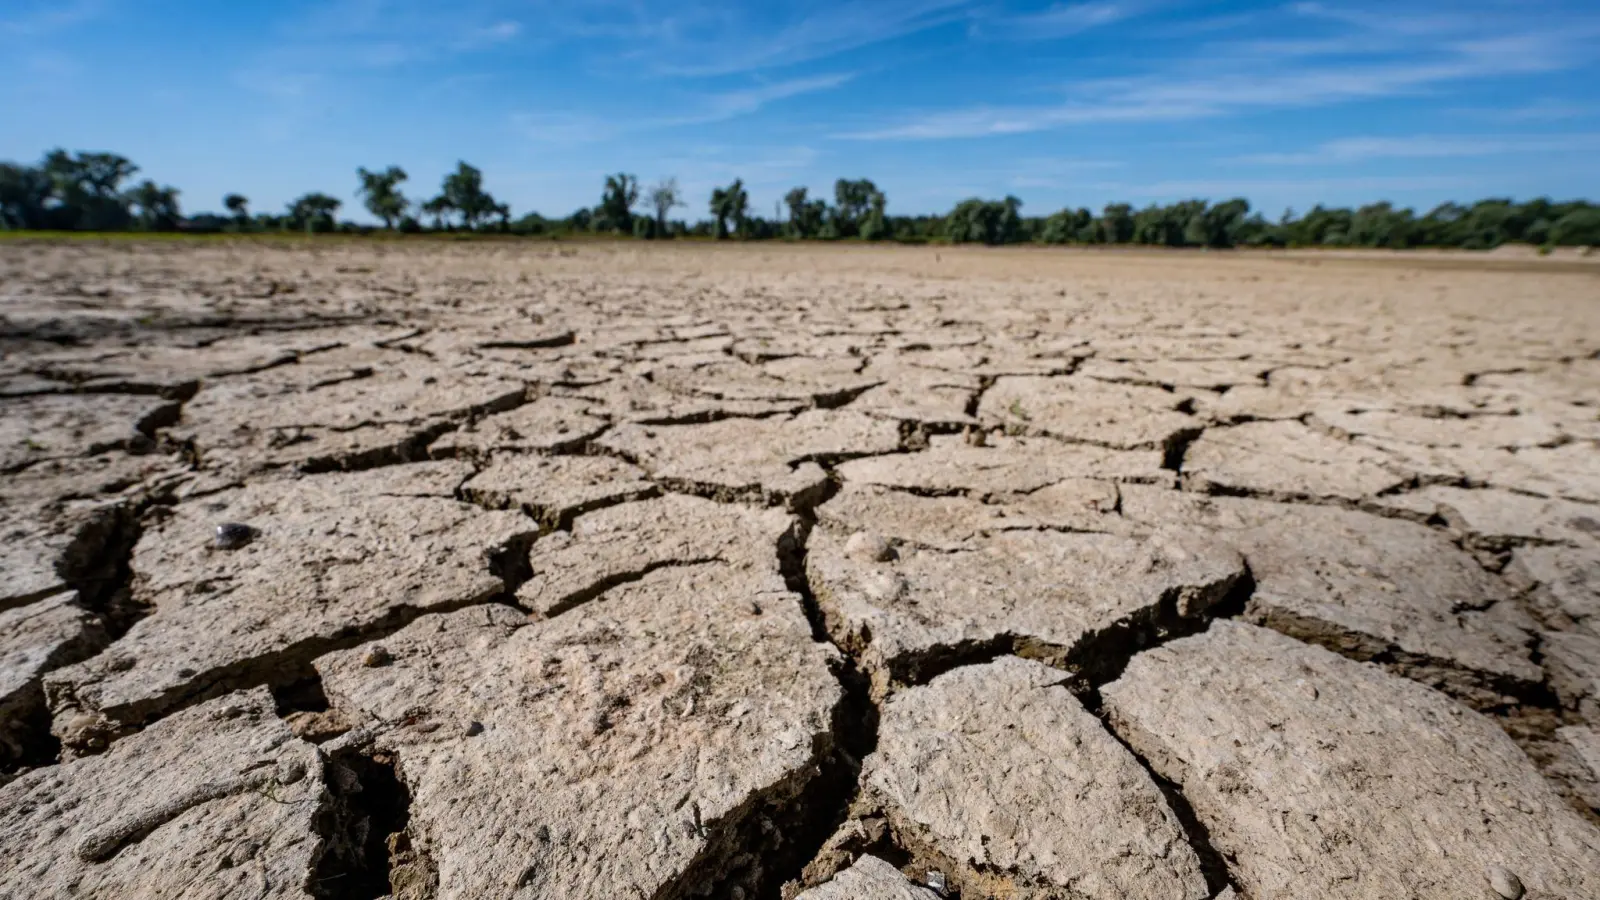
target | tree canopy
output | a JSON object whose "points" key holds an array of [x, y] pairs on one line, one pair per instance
{"points": [[156, 206], [665, 197], [89, 191], [380, 192], [616, 203], [985, 221], [731, 203], [806, 217], [313, 212], [462, 194]]}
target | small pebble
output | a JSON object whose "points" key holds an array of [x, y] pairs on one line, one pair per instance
{"points": [[233, 535], [1505, 883], [869, 546], [935, 882], [376, 655]]}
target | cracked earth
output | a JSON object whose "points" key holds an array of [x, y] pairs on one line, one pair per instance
{"points": [[781, 572]]}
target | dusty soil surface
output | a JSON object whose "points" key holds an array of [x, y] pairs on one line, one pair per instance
{"points": [[483, 570]]}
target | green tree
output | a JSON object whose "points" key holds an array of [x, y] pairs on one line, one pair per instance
{"points": [[664, 197], [580, 220], [313, 212], [532, 223], [730, 204], [1441, 226], [796, 201], [1538, 231], [852, 202], [980, 221], [381, 195], [874, 224], [1578, 228], [806, 216], [616, 203], [462, 193], [719, 206], [1256, 231], [239, 205], [1220, 224], [438, 209], [1381, 225], [87, 189], [1116, 223], [157, 206], [1068, 226], [1322, 227], [24, 193]]}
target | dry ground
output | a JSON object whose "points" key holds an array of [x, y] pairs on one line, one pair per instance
{"points": [[539, 570]]}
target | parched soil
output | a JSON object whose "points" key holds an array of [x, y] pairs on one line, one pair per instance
{"points": [[471, 570]]}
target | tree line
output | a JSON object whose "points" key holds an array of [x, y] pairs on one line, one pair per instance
{"points": [[97, 192]]}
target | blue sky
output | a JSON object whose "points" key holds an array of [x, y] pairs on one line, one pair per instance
{"points": [[1064, 103]]}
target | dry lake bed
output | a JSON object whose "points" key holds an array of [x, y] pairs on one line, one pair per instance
{"points": [[525, 569]]}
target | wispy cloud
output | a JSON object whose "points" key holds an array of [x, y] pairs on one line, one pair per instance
{"points": [[45, 77], [1365, 149], [704, 109], [745, 101], [1210, 24], [455, 83], [1056, 174], [1299, 187], [566, 128], [499, 32], [824, 31], [34, 19], [1387, 21], [284, 86], [992, 121], [385, 34], [1541, 110], [1059, 20], [1219, 83], [301, 74]]}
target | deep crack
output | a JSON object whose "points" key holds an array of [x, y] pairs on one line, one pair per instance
{"points": [[369, 853]]}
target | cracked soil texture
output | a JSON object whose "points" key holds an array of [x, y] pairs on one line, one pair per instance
{"points": [[425, 569]]}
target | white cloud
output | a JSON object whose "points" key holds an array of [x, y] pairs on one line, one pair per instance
{"points": [[1300, 187], [385, 34], [992, 121], [705, 109], [1213, 85], [1056, 174], [824, 31], [502, 31], [1542, 110], [453, 84], [745, 101], [34, 19], [285, 86], [489, 35], [566, 128], [1388, 21], [1363, 149], [1059, 20]]}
